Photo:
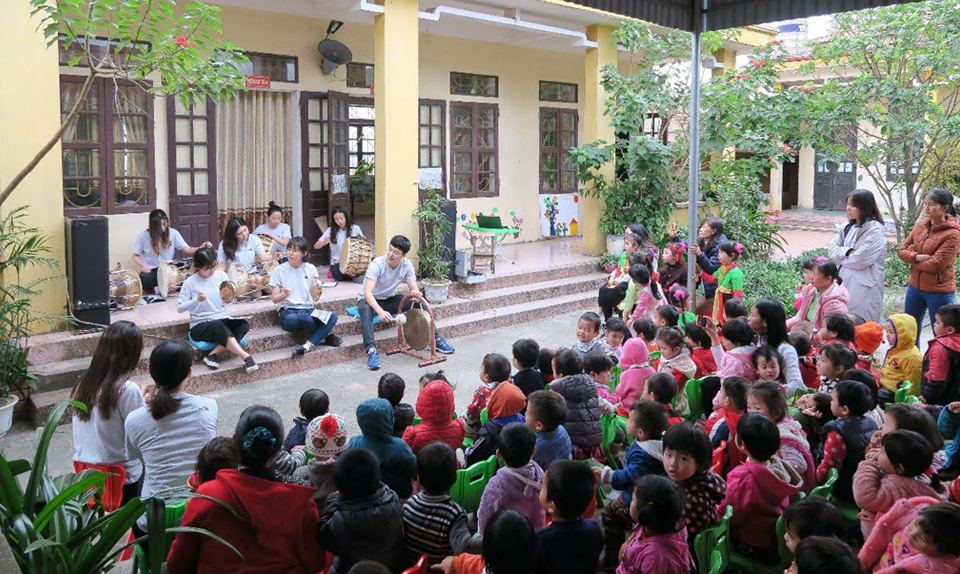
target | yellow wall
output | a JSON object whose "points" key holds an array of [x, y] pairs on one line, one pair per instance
{"points": [[29, 116]]}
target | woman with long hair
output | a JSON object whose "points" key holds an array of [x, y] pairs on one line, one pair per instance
{"points": [[931, 249], [239, 246], [110, 396], [158, 243], [241, 507], [859, 248], [275, 228], [335, 236]]}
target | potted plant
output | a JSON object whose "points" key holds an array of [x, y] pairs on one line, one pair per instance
{"points": [[434, 256]]}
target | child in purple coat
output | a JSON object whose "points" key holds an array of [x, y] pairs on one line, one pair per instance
{"points": [[517, 485]]}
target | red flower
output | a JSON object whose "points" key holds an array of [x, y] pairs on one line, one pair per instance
{"points": [[758, 63], [787, 149], [805, 88], [742, 76], [329, 426], [184, 43]]}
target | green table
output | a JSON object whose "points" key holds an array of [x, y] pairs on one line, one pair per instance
{"points": [[485, 243]]}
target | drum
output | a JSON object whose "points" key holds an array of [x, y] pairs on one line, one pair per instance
{"points": [[268, 244], [355, 256], [245, 288], [125, 289], [171, 275]]}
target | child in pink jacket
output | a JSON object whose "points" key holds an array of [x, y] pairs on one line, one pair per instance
{"points": [[918, 535], [635, 362], [659, 544], [735, 355], [897, 473], [827, 296], [651, 295]]}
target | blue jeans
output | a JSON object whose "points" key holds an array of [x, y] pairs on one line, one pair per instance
{"points": [[918, 302], [296, 320]]}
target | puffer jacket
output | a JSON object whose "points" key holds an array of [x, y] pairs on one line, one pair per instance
{"points": [[941, 242], [583, 403], [795, 451], [398, 465], [635, 362], [861, 270], [940, 379], [903, 361], [367, 528], [709, 262], [436, 408], [514, 488], [833, 300], [888, 551]]}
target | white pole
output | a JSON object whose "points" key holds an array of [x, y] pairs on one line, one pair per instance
{"points": [[694, 147]]}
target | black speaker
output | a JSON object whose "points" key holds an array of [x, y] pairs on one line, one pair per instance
{"points": [[88, 271]]}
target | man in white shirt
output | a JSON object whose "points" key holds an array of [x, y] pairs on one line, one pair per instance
{"points": [[379, 296], [294, 286]]}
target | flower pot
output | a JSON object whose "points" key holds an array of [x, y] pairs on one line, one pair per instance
{"points": [[614, 244], [436, 290], [6, 413]]}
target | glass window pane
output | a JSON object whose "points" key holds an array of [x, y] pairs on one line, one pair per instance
{"points": [[486, 162], [462, 116], [485, 117], [488, 138], [201, 183], [548, 161], [130, 129], [462, 162], [548, 120], [425, 157], [463, 137], [424, 136], [179, 108], [130, 163], [82, 193], [81, 163], [316, 180], [199, 130], [85, 128], [569, 121], [569, 180], [70, 94], [549, 180], [313, 132], [130, 100], [436, 157], [314, 156], [569, 140], [184, 183], [313, 109], [435, 135], [200, 156], [485, 183], [463, 183], [436, 115], [182, 130], [131, 192], [200, 107], [548, 139], [424, 114], [183, 157]]}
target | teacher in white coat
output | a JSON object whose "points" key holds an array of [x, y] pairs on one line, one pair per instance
{"points": [[859, 249]]}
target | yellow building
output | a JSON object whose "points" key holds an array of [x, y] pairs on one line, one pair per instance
{"points": [[479, 97]]}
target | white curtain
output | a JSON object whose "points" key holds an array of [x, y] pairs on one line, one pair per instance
{"points": [[255, 162]]}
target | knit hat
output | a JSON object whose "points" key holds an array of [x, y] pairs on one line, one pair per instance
{"points": [[507, 400], [868, 337], [326, 436]]}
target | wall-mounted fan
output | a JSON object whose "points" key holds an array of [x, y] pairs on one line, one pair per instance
{"points": [[335, 54]]}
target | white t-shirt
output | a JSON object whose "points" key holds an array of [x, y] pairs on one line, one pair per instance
{"points": [[151, 259], [282, 231], [336, 248], [169, 446], [99, 441], [246, 252], [299, 280], [202, 311], [387, 279]]}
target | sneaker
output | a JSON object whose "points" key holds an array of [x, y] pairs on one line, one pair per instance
{"points": [[444, 347], [297, 351], [373, 360], [250, 365], [333, 340], [212, 361]]}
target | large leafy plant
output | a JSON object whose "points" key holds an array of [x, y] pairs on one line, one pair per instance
{"points": [[433, 256]]}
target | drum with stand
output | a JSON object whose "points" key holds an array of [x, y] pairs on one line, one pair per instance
{"points": [[171, 275], [419, 328]]}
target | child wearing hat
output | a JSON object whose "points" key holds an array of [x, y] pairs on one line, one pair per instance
{"points": [[326, 438], [867, 339]]}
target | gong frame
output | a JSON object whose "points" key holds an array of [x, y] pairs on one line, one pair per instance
{"points": [[406, 349]]}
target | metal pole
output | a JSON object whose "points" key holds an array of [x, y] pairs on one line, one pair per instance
{"points": [[694, 146]]}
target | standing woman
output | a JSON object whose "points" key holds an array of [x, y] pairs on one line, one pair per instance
{"points": [[707, 252], [931, 249], [238, 246], [335, 236], [859, 249], [158, 243], [110, 396], [275, 228], [769, 321]]}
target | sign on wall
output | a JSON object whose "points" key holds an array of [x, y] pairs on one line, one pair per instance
{"points": [[259, 82], [559, 214]]}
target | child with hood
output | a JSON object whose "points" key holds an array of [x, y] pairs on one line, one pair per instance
{"points": [[903, 361], [504, 408], [918, 536], [583, 404], [635, 362], [398, 465], [436, 409], [517, 484], [867, 339], [326, 439]]}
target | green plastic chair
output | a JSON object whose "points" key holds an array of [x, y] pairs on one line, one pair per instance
{"points": [[826, 489], [694, 390], [609, 423], [654, 355], [468, 441], [800, 393], [750, 564], [472, 481], [903, 393], [484, 417], [615, 373], [173, 515], [712, 545]]}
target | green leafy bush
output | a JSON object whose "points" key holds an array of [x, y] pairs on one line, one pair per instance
{"points": [[775, 280]]}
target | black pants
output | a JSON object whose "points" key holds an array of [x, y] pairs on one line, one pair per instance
{"points": [[131, 490], [390, 305], [220, 330], [610, 297], [617, 523], [149, 280], [337, 274], [709, 389]]}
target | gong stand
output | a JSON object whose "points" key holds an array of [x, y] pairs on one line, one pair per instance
{"points": [[402, 347]]}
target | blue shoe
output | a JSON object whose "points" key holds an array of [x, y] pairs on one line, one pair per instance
{"points": [[444, 347], [373, 360]]}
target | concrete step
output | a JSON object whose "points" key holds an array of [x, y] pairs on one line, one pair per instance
{"points": [[56, 347], [277, 362]]}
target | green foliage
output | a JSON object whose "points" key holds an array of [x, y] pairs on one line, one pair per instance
{"points": [[433, 255], [775, 279], [896, 273], [609, 260], [737, 199], [22, 247], [945, 171]]}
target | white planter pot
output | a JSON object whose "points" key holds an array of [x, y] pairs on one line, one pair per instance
{"points": [[614, 244], [6, 413], [436, 291]]}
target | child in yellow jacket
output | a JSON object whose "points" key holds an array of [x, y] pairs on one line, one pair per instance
{"points": [[903, 361]]}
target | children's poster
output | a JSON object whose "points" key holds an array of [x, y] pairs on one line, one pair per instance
{"points": [[559, 214]]}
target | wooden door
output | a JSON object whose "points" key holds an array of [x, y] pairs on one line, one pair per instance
{"points": [[339, 127], [834, 181], [191, 153]]}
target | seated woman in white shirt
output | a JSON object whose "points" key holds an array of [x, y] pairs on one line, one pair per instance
{"points": [[159, 242], [275, 228], [335, 236], [238, 246], [110, 396], [210, 322]]}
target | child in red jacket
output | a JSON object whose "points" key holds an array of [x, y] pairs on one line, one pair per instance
{"points": [[436, 409]]}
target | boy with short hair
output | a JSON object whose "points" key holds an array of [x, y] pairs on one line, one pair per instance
{"points": [[647, 331], [598, 365], [517, 484], [570, 544], [433, 524], [528, 379], [391, 387], [615, 333], [661, 388], [583, 404], [666, 316], [845, 439], [546, 413], [313, 403], [588, 334], [940, 379], [494, 370]]}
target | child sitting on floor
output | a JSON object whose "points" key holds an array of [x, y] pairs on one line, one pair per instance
{"points": [[844, 441], [436, 409], [597, 365], [588, 334], [546, 413], [494, 370], [647, 332], [570, 544], [517, 484], [916, 535], [635, 362], [615, 333], [527, 378], [313, 403], [438, 375], [675, 361], [545, 364], [940, 379], [662, 388], [326, 440], [583, 403], [504, 408], [768, 400], [686, 460], [903, 416], [509, 547], [659, 544], [392, 387]]}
